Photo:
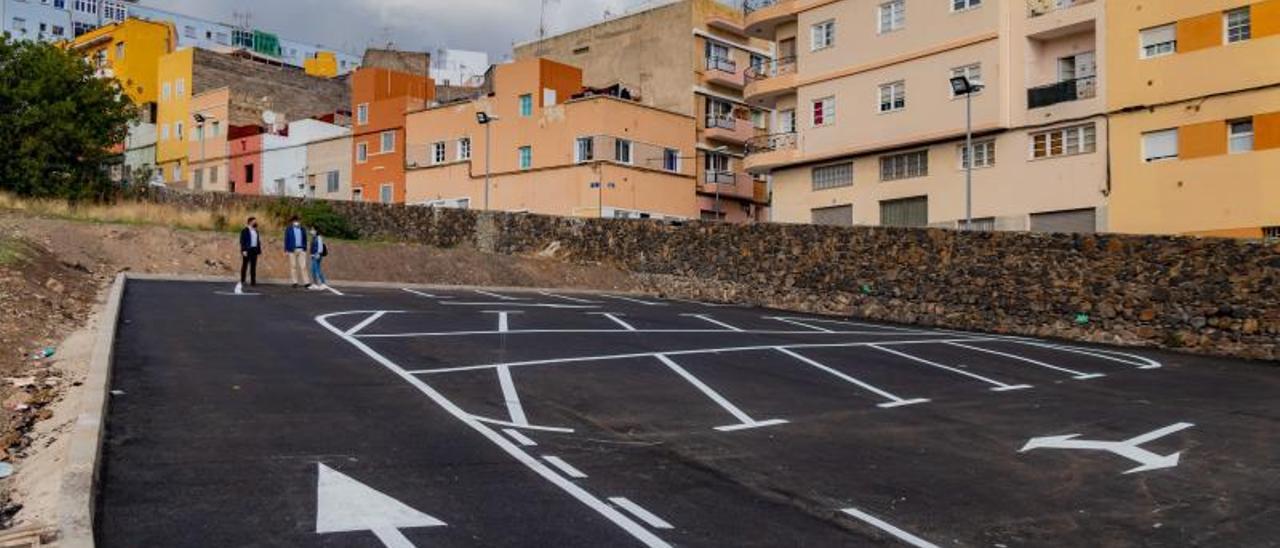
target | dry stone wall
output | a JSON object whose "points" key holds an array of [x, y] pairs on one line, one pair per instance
{"points": [[1210, 296]]}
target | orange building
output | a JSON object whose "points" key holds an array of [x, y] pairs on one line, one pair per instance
{"points": [[554, 150], [380, 97]]}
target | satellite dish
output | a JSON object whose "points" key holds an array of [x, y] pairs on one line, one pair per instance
{"points": [[269, 118]]}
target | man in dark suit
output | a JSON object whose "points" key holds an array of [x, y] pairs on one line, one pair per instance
{"points": [[250, 248]]}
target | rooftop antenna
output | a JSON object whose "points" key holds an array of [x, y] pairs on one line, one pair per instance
{"points": [[542, 26]]}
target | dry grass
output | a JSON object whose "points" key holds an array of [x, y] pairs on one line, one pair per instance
{"points": [[142, 213]]}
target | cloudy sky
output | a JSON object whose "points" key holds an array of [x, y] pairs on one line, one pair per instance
{"points": [[485, 25]]}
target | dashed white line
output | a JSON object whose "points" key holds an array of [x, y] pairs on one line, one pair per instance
{"points": [[889, 528], [564, 467], [520, 438], [615, 319], [640, 513], [713, 321]]}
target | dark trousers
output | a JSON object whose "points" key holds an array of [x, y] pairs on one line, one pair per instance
{"points": [[249, 265]]}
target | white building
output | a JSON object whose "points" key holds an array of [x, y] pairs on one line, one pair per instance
{"points": [[52, 20], [455, 67], [284, 158]]}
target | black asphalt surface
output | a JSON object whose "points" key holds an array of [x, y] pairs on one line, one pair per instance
{"points": [[227, 406]]}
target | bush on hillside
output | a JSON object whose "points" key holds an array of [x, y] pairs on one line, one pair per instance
{"points": [[320, 215]]}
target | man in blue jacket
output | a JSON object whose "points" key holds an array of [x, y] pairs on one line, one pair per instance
{"points": [[295, 252]]}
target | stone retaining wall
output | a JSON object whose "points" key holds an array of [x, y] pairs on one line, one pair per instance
{"points": [[1209, 296]]}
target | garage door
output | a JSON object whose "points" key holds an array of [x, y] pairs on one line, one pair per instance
{"points": [[1076, 221], [833, 216]]}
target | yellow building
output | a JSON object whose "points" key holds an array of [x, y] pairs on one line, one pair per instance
{"points": [[324, 64], [1195, 124], [130, 52], [173, 114]]}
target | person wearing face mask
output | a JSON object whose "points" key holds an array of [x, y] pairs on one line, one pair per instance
{"points": [[295, 251], [319, 250], [250, 249]]}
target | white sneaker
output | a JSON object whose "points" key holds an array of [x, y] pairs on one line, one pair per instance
{"points": [[316, 287], [239, 289]]}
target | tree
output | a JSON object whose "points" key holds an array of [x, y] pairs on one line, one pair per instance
{"points": [[58, 122]]}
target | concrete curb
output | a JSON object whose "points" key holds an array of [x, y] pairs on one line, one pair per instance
{"points": [[78, 492], [385, 285]]}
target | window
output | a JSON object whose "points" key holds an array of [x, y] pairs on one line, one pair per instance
{"points": [[716, 162], [388, 142], [720, 114], [248, 173], [165, 91], [822, 35], [526, 157], [787, 121], [893, 15], [189, 31], [1160, 145], [718, 57], [961, 5], [1064, 141], [893, 96], [385, 194], [177, 173], [164, 132], [362, 153], [438, 153], [199, 134], [832, 216], [622, 151], [331, 182], [177, 131], [824, 111], [180, 87], [671, 160], [526, 105], [904, 166], [197, 178], [1159, 41], [464, 148], [548, 97], [357, 194], [759, 119], [213, 175], [119, 51], [973, 73], [984, 154], [1240, 135], [362, 114], [833, 176], [905, 212], [217, 128], [1239, 25], [584, 151]]}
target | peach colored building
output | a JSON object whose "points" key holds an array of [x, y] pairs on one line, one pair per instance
{"points": [[380, 97], [870, 132], [552, 152], [690, 57]]}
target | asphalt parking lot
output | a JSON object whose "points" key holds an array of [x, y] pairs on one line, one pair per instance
{"points": [[452, 417]]}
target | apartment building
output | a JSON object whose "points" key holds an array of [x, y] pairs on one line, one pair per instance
{"points": [[870, 130], [690, 57], [552, 148], [56, 20], [387, 86], [1196, 126], [328, 167], [129, 52]]}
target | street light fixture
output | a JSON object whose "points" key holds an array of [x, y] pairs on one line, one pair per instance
{"points": [[484, 119], [961, 85]]}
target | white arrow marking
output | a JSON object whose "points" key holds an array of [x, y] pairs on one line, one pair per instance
{"points": [[1128, 449], [345, 505]]}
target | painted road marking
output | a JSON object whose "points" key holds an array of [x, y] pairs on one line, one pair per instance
{"points": [[864, 324], [700, 303], [745, 421], [367, 321], [889, 528], [525, 305], [637, 330], [587, 499], [1076, 374], [424, 294], [614, 317], [504, 323], [568, 298], [520, 438], [1129, 449], [326, 287], [639, 512], [894, 400], [511, 397], [800, 324], [497, 296], [234, 294], [999, 386], [565, 467], [344, 505], [1142, 363], [713, 321], [636, 301], [497, 422]]}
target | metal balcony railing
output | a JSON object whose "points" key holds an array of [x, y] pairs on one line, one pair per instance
{"points": [[721, 122], [770, 143], [1064, 91], [749, 6], [772, 69], [722, 64], [1036, 8], [713, 177]]}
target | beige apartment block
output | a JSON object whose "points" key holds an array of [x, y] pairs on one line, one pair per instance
{"points": [[329, 168], [869, 131], [690, 57], [551, 149]]}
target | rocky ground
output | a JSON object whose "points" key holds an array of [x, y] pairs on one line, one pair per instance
{"points": [[53, 272]]}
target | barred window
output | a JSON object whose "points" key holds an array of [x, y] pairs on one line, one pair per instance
{"points": [[904, 166], [833, 176]]}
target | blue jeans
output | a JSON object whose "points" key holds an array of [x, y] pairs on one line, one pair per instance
{"points": [[317, 275]]}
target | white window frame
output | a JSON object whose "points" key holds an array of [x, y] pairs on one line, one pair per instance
{"points": [[897, 16], [524, 157], [362, 114], [1157, 49], [964, 5], [1168, 135], [1246, 28], [984, 153], [382, 142], [521, 102], [362, 153], [464, 149], [180, 87], [583, 154], [827, 177], [332, 181], [1084, 137], [895, 93], [828, 111], [386, 193], [166, 91], [1244, 137], [439, 152], [623, 152], [908, 170], [822, 35], [972, 72], [668, 154]]}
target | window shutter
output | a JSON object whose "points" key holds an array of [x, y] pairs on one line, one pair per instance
{"points": [[1160, 144], [1159, 35]]}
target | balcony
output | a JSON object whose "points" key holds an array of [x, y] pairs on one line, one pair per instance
{"points": [[1037, 8], [768, 81], [726, 24], [769, 151], [1076, 89], [724, 72], [729, 129], [764, 16], [728, 184]]}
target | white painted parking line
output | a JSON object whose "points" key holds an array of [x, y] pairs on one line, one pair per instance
{"points": [[999, 386], [589, 500], [565, 467], [511, 397], [504, 322], [889, 528], [523, 305], [871, 325], [640, 513], [568, 298], [520, 438], [367, 321], [424, 294], [745, 421], [800, 324], [592, 331], [1142, 363], [713, 321], [1075, 374], [332, 290], [700, 303], [636, 301], [894, 400], [614, 317], [497, 422], [497, 296]]}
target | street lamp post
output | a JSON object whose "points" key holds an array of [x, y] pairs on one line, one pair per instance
{"points": [[960, 85], [486, 120]]}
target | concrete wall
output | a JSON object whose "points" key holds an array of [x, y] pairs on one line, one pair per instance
{"points": [[1211, 296]]}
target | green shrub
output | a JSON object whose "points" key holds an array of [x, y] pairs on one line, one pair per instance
{"points": [[314, 214]]}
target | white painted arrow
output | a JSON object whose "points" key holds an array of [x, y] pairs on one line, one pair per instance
{"points": [[1129, 449], [346, 505]]}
